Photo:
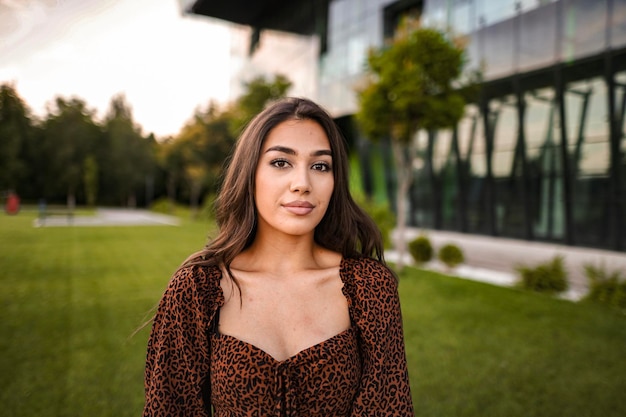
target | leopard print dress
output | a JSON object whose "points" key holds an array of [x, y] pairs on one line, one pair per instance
{"points": [[192, 370]]}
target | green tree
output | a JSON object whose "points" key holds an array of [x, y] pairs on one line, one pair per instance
{"points": [[194, 159], [410, 86], [217, 143], [211, 135], [70, 137], [15, 131], [192, 143], [36, 158], [203, 145], [258, 92], [170, 159], [90, 180], [130, 157]]}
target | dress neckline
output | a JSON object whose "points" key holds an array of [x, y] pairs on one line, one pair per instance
{"points": [[345, 289], [295, 357]]}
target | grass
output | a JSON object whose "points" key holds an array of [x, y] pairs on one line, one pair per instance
{"points": [[72, 297], [480, 350]]}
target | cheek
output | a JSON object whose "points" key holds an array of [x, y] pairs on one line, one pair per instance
{"points": [[328, 189], [264, 191], [259, 183]]}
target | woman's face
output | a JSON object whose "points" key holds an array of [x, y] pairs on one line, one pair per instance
{"points": [[294, 178]]}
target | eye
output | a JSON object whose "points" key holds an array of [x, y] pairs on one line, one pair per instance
{"points": [[279, 163], [321, 166]]}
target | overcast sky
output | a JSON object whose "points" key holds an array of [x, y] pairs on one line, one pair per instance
{"points": [[165, 63]]}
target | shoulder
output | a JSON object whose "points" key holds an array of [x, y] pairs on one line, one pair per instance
{"points": [[365, 267], [372, 291], [197, 280], [368, 274]]}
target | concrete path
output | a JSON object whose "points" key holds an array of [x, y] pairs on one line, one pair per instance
{"points": [[110, 217], [494, 260]]}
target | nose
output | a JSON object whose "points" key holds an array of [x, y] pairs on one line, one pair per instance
{"points": [[300, 182]]}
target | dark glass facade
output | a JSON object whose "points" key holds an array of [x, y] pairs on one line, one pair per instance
{"points": [[536, 162], [540, 156]]}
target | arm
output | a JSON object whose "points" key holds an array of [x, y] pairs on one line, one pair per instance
{"points": [[384, 389], [177, 365]]}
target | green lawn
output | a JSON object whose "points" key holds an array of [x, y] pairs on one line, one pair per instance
{"points": [[480, 350], [72, 297]]}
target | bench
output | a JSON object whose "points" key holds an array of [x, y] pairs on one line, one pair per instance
{"points": [[47, 214]]}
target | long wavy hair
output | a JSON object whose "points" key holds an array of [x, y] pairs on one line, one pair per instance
{"points": [[345, 228]]}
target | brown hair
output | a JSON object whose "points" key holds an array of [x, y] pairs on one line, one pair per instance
{"points": [[345, 228]]}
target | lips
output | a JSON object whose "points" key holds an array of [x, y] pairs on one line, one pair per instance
{"points": [[299, 208]]}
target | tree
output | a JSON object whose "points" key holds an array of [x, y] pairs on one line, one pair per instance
{"points": [[70, 137], [410, 86], [170, 158], [214, 132], [192, 143], [195, 157], [15, 131], [90, 180], [130, 158], [203, 145], [258, 92], [218, 140]]}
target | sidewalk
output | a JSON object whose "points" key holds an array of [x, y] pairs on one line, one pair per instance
{"points": [[110, 217], [494, 259]]}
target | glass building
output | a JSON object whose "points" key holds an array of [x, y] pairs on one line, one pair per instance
{"points": [[541, 155]]}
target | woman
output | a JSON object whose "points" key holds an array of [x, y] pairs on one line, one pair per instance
{"points": [[290, 310]]}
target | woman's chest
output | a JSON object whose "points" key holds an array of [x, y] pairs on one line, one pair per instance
{"points": [[285, 319], [320, 380]]}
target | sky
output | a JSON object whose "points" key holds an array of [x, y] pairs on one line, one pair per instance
{"points": [[165, 63]]}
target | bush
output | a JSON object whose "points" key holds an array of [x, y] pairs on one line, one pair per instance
{"points": [[606, 288], [162, 205], [207, 211], [451, 255], [421, 249], [382, 215], [549, 277], [172, 208]]}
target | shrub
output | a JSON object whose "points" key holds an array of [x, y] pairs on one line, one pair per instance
{"points": [[162, 205], [549, 277], [421, 249], [604, 287], [207, 211], [451, 255], [382, 215]]}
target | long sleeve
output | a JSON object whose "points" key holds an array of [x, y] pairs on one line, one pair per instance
{"points": [[178, 357], [384, 388]]}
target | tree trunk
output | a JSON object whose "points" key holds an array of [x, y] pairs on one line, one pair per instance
{"points": [[194, 196], [71, 199], [171, 192], [405, 178]]}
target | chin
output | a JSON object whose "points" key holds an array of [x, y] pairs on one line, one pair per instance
{"points": [[298, 230]]}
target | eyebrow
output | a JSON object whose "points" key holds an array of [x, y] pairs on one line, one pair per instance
{"points": [[290, 151]]}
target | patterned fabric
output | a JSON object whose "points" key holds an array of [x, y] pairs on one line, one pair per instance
{"points": [[179, 360], [247, 381]]}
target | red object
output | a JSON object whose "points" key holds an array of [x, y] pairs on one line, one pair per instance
{"points": [[12, 204]]}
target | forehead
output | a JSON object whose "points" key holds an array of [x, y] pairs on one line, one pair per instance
{"points": [[297, 134]]}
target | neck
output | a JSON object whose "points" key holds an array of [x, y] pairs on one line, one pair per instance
{"points": [[281, 254]]}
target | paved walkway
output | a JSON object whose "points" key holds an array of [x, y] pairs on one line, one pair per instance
{"points": [[110, 217], [494, 260]]}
